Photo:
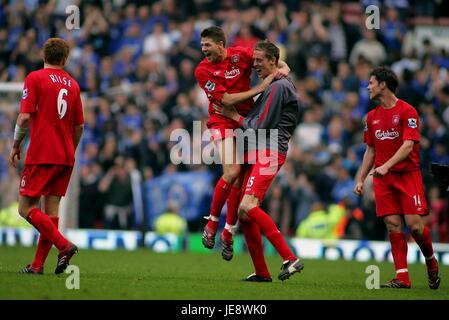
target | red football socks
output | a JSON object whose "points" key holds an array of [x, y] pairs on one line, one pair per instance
{"points": [[45, 226], [424, 242], [43, 247], [232, 212], [269, 229], [221, 193], [253, 239], [399, 252]]}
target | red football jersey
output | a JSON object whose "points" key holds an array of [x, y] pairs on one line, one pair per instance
{"points": [[53, 99], [386, 129], [232, 75]]}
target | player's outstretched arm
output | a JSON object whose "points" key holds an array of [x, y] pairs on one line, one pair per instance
{"points": [[367, 165], [230, 99], [21, 130], [263, 118]]}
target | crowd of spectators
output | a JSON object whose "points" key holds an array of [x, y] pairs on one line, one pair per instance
{"points": [[135, 60]]}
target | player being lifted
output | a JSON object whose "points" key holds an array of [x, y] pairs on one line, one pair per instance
{"points": [[392, 138], [51, 110], [224, 74]]}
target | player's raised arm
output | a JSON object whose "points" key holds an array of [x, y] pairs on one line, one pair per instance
{"points": [[230, 99]]}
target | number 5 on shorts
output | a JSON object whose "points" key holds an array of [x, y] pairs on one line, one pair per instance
{"points": [[250, 182]]}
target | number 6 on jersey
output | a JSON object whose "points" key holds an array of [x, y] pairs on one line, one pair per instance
{"points": [[62, 104]]}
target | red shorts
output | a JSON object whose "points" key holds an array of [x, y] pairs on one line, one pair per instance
{"points": [[222, 129], [400, 193], [258, 176], [44, 179]]}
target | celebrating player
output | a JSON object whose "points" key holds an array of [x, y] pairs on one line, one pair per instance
{"points": [[51, 110], [277, 109], [224, 74], [392, 138]]}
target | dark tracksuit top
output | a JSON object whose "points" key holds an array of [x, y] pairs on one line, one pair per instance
{"points": [[276, 108]]}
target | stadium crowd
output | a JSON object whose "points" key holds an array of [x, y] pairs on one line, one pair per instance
{"points": [[135, 60]]}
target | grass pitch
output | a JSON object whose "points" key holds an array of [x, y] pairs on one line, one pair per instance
{"points": [[144, 274]]}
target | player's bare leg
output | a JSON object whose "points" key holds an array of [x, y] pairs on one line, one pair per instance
{"points": [[399, 252], [249, 209], [231, 171], [421, 234]]}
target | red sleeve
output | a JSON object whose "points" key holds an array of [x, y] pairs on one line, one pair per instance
{"points": [[79, 114], [29, 95], [410, 125], [368, 131], [213, 89]]}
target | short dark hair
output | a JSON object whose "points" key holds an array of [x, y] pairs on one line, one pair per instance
{"points": [[270, 49], [215, 33], [385, 74], [56, 51]]}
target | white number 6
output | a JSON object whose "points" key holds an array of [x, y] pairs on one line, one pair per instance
{"points": [[62, 104]]}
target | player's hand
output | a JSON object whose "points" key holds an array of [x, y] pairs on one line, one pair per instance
{"points": [[227, 111], [15, 152], [379, 172], [267, 81], [358, 189], [280, 73]]}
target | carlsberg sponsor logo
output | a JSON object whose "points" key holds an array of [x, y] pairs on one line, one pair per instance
{"points": [[232, 73], [383, 135]]}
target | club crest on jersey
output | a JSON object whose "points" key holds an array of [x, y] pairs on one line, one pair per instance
{"points": [[395, 120], [235, 58], [25, 93], [412, 123], [210, 86]]}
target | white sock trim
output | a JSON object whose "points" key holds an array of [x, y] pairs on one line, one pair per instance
{"points": [[211, 217], [231, 228], [430, 258], [401, 270]]}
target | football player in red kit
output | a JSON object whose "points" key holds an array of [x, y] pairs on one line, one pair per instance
{"points": [[392, 138], [224, 75], [51, 111]]}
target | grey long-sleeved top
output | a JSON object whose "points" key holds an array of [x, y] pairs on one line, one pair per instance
{"points": [[277, 111]]}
